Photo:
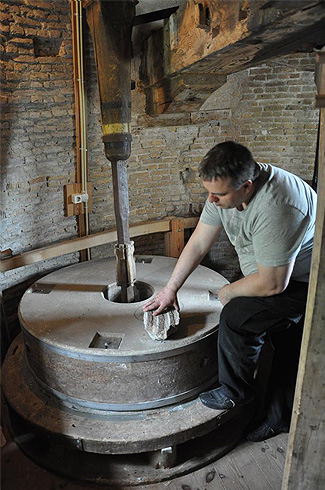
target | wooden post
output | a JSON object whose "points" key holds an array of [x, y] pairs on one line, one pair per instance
{"points": [[305, 464], [174, 240], [111, 24], [121, 200]]}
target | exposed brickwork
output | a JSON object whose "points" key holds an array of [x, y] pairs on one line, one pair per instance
{"points": [[269, 108], [272, 107], [37, 139]]}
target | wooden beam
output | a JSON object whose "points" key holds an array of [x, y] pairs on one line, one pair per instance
{"points": [[154, 16], [304, 468], [186, 60], [94, 240]]}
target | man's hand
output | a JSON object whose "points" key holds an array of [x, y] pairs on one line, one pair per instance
{"points": [[224, 295], [196, 248], [167, 297]]}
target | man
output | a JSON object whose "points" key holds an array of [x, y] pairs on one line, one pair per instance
{"points": [[269, 216]]}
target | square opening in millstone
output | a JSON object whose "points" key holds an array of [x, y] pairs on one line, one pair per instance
{"points": [[42, 288], [105, 342], [143, 260]]}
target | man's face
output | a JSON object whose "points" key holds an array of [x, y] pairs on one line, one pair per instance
{"points": [[223, 194]]}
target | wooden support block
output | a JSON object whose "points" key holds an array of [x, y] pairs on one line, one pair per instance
{"points": [[174, 240], [72, 209], [320, 72], [5, 254], [320, 101]]}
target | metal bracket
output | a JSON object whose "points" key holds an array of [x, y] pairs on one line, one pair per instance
{"points": [[75, 199]]}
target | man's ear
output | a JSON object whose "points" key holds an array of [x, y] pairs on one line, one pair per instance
{"points": [[248, 185]]}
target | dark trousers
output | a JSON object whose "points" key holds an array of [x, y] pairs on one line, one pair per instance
{"points": [[245, 323]]}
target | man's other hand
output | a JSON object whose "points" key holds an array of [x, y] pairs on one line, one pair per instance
{"points": [[224, 295], [166, 298]]}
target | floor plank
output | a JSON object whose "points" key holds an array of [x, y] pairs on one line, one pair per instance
{"points": [[247, 473], [270, 459]]}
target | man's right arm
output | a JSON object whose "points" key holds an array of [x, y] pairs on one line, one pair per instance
{"points": [[196, 248]]}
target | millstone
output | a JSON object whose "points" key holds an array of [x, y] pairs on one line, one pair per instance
{"points": [[87, 374]]}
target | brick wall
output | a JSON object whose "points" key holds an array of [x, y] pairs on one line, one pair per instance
{"points": [[37, 138], [272, 107], [269, 108]]}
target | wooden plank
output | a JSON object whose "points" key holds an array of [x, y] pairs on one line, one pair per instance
{"points": [[82, 243], [174, 240], [77, 244], [305, 469], [269, 457], [253, 466], [205, 478], [196, 481], [237, 470]]}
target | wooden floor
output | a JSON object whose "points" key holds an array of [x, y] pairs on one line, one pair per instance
{"points": [[250, 466]]}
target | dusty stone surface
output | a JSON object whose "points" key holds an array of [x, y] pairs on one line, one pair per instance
{"points": [[94, 352]]}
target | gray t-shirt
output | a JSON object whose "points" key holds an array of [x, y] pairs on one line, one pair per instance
{"points": [[276, 227]]}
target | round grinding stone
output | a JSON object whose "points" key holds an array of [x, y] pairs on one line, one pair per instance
{"points": [[94, 352], [88, 377]]}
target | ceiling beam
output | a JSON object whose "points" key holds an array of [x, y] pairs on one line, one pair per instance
{"points": [[154, 16], [204, 41]]}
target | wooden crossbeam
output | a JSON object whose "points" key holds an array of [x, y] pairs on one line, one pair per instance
{"points": [[94, 240]]}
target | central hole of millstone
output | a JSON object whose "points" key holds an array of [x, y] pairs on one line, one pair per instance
{"points": [[142, 291]]}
